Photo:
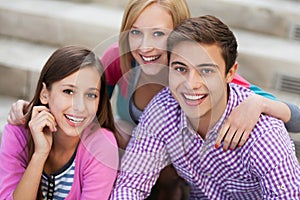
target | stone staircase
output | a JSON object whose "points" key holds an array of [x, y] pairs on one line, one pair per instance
{"points": [[268, 32]]}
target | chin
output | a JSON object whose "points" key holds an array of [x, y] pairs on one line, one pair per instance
{"points": [[152, 69]]}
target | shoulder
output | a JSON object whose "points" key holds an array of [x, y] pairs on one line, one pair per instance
{"points": [[15, 134], [239, 90], [111, 63], [99, 145], [268, 145], [14, 141], [111, 54], [161, 109]]}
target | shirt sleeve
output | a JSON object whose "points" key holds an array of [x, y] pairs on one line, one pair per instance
{"points": [[13, 156], [293, 125], [141, 164], [274, 162], [259, 91]]}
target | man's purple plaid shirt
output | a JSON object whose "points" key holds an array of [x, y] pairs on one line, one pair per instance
{"points": [[266, 167]]}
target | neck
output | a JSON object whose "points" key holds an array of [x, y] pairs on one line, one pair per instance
{"points": [[210, 119], [63, 148], [161, 78], [64, 143]]}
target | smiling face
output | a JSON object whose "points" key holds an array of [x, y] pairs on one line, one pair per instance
{"points": [[74, 100], [148, 37], [198, 82]]}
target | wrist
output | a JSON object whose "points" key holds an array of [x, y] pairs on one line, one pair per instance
{"points": [[40, 156]]}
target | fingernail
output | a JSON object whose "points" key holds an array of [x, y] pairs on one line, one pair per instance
{"points": [[216, 146], [23, 121]]}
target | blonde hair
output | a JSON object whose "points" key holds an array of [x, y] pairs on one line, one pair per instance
{"points": [[178, 9]]}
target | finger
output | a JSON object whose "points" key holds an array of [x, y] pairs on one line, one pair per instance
{"points": [[228, 137], [236, 139], [221, 135], [9, 119], [37, 109], [18, 109], [42, 123], [41, 115], [244, 138], [47, 116]]}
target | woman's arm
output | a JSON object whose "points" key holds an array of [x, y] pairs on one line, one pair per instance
{"points": [[238, 126], [30, 181], [18, 179], [29, 184]]}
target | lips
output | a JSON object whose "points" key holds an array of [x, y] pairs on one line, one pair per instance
{"points": [[150, 58], [194, 99], [74, 121]]}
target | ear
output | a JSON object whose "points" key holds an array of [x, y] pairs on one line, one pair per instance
{"points": [[44, 95], [231, 72]]}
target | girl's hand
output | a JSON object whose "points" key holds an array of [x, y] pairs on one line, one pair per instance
{"points": [[239, 124], [16, 113], [41, 125]]}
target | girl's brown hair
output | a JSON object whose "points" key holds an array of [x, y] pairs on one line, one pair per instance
{"points": [[62, 63]]}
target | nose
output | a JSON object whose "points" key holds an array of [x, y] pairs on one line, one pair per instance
{"points": [[194, 80], [78, 103], [146, 44]]}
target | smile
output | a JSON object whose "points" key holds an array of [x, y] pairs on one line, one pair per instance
{"points": [[193, 97], [150, 58], [74, 119]]}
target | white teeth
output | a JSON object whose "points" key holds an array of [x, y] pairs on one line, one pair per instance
{"points": [[75, 119], [149, 59], [193, 97]]}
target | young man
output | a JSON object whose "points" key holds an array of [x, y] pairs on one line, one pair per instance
{"points": [[182, 122]]}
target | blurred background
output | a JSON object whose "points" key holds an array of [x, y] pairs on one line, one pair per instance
{"points": [[268, 32]]}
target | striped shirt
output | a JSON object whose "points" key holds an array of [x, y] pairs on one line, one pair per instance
{"points": [[266, 167], [58, 185]]}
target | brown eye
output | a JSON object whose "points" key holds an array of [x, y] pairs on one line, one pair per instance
{"points": [[67, 91]]}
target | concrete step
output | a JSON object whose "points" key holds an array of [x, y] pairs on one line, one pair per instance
{"points": [[73, 21], [273, 17], [264, 59], [59, 22], [20, 64]]}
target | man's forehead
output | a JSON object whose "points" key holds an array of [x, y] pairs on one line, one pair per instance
{"points": [[191, 52]]}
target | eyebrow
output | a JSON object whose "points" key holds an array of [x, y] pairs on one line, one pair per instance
{"points": [[207, 65], [201, 65], [73, 86], [177, 63], [150, 28]]}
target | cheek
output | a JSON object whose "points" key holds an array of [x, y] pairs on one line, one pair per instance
{"points": [[134, 43], [161, 43], [93, 107], [217, 90], [175, 81]]}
